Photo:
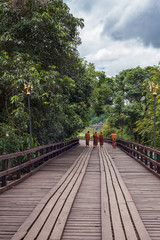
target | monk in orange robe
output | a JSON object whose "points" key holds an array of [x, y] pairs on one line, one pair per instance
{"points": [[113, 136], [101, 139], [95, 139], [87, 136]]}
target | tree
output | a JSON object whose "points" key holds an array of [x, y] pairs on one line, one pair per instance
{"points": [[145, 125], [125, 94], [38, 44], [102, 94], [46, 30]]}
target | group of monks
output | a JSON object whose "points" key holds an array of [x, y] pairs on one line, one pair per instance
{"points": [[95, 139], [100, 138]]}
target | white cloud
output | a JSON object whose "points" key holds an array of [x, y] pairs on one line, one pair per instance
{"points": [[109, 53], [130, 10], [123, 55]]}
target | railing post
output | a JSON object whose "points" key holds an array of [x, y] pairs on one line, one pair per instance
{"points": [[141, 151], [146, 153], [158, 160], [134, 154], [128, 145], [18, 164], [55, 148], [132, 147], [51, 156], [28, 160], [50, 149], [4, 167], [137, 152], [36, 163], [41, 152], [47, 151], [151, 156]]}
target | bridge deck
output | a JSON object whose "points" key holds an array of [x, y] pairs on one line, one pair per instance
{"points": [[81, 195], [144, 188]]}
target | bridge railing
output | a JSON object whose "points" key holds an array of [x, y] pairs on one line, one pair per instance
{"points": [[20, 165], [148, 156]]}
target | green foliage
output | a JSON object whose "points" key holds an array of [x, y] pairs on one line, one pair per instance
{"points": [[128, 99], [102, 93], [38, 44], [145, 125], [123, 94], [47, 31]]}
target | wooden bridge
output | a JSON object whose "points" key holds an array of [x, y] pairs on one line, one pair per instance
{"points": [[82, 194]]}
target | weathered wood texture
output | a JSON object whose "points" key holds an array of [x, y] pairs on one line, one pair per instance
{"points": [[20, 165], [79, 196], [119, 213], [17, 203], [144, 188], [84, 221], [147, 156], [48, 219]]}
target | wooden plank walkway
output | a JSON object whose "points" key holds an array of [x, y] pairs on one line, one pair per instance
{"points": [[81, 195], [144, 188], [84, 220], [18, 203]]}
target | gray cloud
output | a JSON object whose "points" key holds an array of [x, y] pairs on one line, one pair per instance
{"points": [[118, 34], [83, 5], [86, 5], [142, 25]]}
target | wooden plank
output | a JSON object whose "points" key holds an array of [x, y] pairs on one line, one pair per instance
{"points": [[125, 215], [128, 197], [115, 214], [62, 218], [29, 221], [140, 228], [142, 232], [105, 214], [58, 209], [86, 212], [34, 217]]}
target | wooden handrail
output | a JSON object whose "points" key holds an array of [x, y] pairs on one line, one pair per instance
{"points": [[28, 162], [12, 155], [148, 156]]}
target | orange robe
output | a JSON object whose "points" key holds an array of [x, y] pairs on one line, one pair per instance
{"points": [[113, 135], [87, 136], [101, 139], [95, 139]]}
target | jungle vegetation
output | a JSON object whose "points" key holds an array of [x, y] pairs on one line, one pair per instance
{"points": [[125, 103], [38, 44]]}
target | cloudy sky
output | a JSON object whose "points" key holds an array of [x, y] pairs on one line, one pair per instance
{"points": [[119, 34]]}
